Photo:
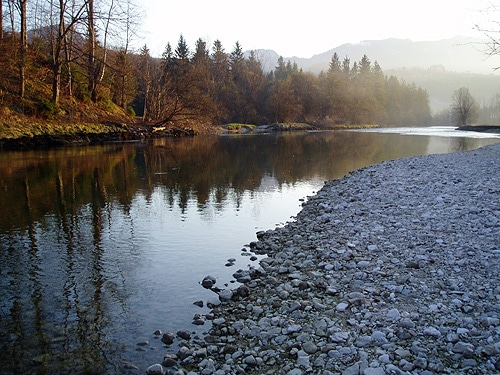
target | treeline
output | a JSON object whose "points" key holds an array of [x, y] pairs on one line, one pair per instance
{"points": [[224, 87], [69, 50]]}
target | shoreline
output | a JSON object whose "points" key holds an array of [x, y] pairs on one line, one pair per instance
{"points": [[391, 269], [121, 132], [493, 129]]}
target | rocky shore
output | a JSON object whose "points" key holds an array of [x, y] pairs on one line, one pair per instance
{"points": [[393, 269]]}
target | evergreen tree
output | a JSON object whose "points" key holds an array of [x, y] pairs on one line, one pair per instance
{"points": [[145, 81], [380, 93], [346, 68], [254, 83], [280, 72], [335, 66], [236, 58], [394, 102], [364, 67], [182, 50], [220, 75]]}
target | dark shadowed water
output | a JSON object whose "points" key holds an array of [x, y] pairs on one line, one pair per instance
{"points": [[102, 245]]}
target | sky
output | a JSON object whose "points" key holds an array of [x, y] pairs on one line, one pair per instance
{"points": [[304, 28]]}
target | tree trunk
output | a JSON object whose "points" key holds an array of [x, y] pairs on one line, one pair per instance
{"points": [[56, 83], [23, 47], [67, 56], [1, 21], [92, 51], [56, 54], [12, 19]]}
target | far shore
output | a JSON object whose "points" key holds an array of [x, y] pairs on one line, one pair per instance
{"points": [[481, 128], [64, 135]]}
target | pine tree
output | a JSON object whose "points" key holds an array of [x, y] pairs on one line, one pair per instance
{"points": [[182, 50], [335, 66]]}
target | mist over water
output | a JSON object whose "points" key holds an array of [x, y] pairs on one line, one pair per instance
{"points": [[102, 245]]}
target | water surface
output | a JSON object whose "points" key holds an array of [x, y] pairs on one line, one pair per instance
{"points": [[102, 245]]}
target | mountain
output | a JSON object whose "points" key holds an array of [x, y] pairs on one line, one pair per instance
{"points": [[440, 67], [461, 54]]}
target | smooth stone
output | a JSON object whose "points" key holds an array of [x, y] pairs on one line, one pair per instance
{"points": [[393, 314], [342, 306], [384, 358], [225, 294], [250, 360], [309, 347], [431, 331], [168, 338], [208, 282], [352, 370], [185, 335], [339, 337], [155, 369], [374, 371]]}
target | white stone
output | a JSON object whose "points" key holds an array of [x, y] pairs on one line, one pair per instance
{"points": [[342, 306]]}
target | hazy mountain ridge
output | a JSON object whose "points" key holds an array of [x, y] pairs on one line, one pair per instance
{"points": [[461, 54], [440, 67]]}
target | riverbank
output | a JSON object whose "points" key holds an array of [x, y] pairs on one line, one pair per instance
{"points": [[110, 132], [48, 134], [391, 269]]}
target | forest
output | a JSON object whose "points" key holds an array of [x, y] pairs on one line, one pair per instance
{"points": [[56, 55]]}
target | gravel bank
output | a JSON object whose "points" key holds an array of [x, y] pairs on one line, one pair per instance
{"points": [[393, 269]]}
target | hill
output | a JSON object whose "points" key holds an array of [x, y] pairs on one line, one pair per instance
{"points": [[440, 67], [460, 54]]}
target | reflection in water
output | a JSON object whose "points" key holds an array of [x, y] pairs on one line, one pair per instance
{"points": [[100, 246]]}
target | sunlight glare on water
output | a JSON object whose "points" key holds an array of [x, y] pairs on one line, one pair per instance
{"points": [[435, 131]]}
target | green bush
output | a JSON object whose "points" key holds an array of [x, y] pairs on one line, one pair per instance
{"points": [[47, 108], [131, 110]]}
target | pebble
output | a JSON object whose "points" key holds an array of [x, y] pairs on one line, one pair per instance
{"points": [[393, 269], [155, 369], [168, 338], [342, 306]]}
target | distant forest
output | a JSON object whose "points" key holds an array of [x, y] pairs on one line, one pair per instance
{"points": [[69, 54]]}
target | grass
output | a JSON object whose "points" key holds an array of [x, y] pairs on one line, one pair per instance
{"points": [[237, 127], [15, 125]]}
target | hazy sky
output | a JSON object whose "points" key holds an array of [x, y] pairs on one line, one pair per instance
{"points": [[305, 28]]}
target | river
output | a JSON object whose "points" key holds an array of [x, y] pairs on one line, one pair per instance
{"points": [[102, 245]]}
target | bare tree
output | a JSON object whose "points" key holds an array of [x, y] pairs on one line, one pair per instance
{"points": [[129, 16], [59, 42], [11, 4], [491, 29], [145, 79], [23, 45], [1, 21], [464, 107], [91, 50], [110, 20]]}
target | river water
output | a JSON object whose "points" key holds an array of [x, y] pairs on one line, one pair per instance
{"points": [[102, 245]]}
